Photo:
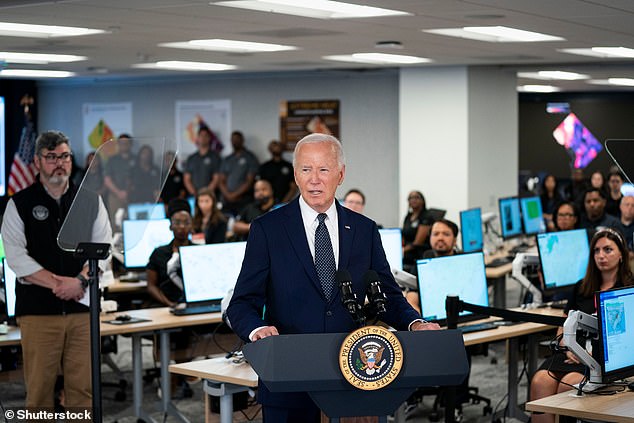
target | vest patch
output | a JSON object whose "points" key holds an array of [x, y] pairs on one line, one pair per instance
{"points": [[40, 212]]}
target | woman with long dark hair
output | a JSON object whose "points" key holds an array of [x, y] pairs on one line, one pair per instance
{"points": [[608, 268], [208, 219]]}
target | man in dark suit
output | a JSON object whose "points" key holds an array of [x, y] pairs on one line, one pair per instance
{"points": [[284, 268]]}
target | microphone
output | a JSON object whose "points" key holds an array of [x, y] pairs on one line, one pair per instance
{"points": [[348, 297], [376, 297]]}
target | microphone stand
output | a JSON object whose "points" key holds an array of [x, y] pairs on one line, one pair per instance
{"points": [[93, 252]]}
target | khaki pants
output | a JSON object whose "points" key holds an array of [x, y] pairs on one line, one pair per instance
{"points": [[49, 342]]}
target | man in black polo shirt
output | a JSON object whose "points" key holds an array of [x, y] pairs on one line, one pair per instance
{"points": [[51, 298], [263, 193], [202, 167], [279, 173]]}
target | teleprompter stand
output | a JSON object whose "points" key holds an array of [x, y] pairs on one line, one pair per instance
{"points": [[94, 252], [310, 363]]}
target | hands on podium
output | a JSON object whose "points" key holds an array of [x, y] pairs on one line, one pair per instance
{"points": [[418, 325], [264, 332]]}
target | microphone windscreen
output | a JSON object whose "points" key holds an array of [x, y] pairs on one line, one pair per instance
{"points": [[342, 276], [370, 276]]}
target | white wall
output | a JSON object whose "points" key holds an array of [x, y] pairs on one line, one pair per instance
{"points": [[458, 137], [369, 117]]}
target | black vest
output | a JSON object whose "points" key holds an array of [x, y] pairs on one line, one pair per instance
{"points": [[43, 218]]}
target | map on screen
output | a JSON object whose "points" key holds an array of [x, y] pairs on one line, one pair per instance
{"points": [[564, 257]]}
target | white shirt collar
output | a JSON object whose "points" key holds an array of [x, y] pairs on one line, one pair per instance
{"points": [[310, 215]]}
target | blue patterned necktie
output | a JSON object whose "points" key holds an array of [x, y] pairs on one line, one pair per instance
{"points": [[324, 257]]}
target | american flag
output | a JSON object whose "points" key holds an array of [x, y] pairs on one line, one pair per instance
{"points": [[22, 169]]}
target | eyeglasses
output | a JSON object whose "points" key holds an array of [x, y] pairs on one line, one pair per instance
{"points": [[416, 197], [565, 215], [52, 158]]}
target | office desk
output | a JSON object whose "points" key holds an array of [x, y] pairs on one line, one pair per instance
{"points": [[606, 408], [118, 287], [161, 322], [511, 334], [222, 378], [11, 338]]}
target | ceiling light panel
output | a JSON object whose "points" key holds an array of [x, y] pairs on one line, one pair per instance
{"points": [[553, 75], [604, 52], [495, 34], [44, 31], [186, 66], [34, 73], [38, 58], [320, 9], [235, 46], [378, 58]]}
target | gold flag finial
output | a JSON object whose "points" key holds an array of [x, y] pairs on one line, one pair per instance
{"points": [[26, 101]]}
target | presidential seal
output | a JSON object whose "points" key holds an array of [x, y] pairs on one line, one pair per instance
{"points": [[370, 358]]}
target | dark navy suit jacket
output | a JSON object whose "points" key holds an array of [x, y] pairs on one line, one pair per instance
{"points": [[278, 272]]}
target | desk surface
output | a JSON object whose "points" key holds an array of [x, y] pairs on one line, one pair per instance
{"points": [[160, 318], [610, 408], [117, 286], [219, 369], [505, 332]]}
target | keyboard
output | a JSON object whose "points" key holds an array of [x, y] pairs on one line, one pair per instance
{"points": [[477, 327], [497, 262], [198, 309]]}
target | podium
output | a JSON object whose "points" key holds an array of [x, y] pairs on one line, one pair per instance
{"points": [[309, 363]]}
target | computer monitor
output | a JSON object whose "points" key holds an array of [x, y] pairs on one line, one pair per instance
{"points": [[471, 230], [392, 241], [140, 238], [510, 217], [9, 280], [563, 256], [192, 204], [210, 270], [532, 216], [462, 274], [615, 318], [146, 211]]}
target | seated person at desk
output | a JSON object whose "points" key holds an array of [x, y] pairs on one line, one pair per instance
{"points": [[594, 215], [607, 268], [263, 202], [566, 216], [209, 224], [443, 237], [163, 289], [416, 227]]}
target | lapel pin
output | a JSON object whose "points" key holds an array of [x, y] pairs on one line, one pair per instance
{"points": [[346, 226]]}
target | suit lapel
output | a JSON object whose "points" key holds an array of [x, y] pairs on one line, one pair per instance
{"points": [[346, 235], [297, 235]]}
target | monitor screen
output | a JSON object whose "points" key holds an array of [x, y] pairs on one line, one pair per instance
{"points": [[564, 257], [210, 270], [9, 288], [510, 217], [393, 245], [471, 229], [146, 211], [141, 237], [463, 275], [192, 204], [615, 315], [532, 216]]}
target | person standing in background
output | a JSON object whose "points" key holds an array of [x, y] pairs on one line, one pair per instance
{"points": [[202, 167], [117, 175], [237, 175], [279, 173]]}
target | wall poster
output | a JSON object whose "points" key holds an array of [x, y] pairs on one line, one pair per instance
{"points": [[300, 118]]}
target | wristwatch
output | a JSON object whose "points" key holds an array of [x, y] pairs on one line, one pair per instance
{"points": [[83, 280]]}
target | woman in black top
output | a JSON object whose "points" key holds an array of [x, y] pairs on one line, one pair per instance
{"points": [[416, 227], [608, 268], [208, 220]]}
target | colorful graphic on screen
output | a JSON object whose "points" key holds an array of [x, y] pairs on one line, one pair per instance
{"points": [[580, 144]]}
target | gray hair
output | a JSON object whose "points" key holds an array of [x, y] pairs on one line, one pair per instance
{"points": [[319, 138], [49, 140]]}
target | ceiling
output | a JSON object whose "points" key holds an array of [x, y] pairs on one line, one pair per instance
{"points": [[137, 26]]}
